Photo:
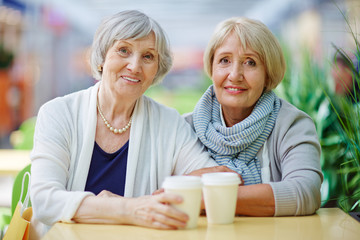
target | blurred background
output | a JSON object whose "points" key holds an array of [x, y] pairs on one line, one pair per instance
{"points": [[44, 46]]}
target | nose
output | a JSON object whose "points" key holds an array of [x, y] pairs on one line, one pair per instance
{"points": [[236, 72], [134, 64]]}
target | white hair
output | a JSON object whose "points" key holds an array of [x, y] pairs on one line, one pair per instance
{"points": [[130, 24]]}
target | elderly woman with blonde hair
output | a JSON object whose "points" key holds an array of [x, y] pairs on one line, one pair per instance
{"points": [[246, 127]]}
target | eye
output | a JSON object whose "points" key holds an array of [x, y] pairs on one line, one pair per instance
{"points": [[149, 57], [124, 51], [250, 62], [224, 60]]}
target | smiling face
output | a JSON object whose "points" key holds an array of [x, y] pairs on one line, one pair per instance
{"points": [[130, 66], [239, 78]]}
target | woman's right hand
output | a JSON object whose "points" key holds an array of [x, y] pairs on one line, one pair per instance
{"points": [[156, 212], [153, 211]]}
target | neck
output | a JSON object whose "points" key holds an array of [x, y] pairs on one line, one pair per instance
{"points": [[233, 116], [115, 109]]}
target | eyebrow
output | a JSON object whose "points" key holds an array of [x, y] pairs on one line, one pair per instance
{"points": [[122, 40], [244, 54], [117, 42]]}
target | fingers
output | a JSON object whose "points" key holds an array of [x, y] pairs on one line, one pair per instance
{"points": [[168, 210], [157, 219], [223, 169], [198, 172], [105, 193], [226, 169], [241, 180], [161, 190], [201, 171], [170, 198], [156, 212], [202, 206]]}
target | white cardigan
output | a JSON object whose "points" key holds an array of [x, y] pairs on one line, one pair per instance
{"points": [[161, 143]]}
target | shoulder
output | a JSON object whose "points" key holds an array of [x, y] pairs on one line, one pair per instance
{"points": [[164, 120], [70, 101], [289, 115], [293, 127], [287, 107], [66, 109], [157, 109], [159, 116]]}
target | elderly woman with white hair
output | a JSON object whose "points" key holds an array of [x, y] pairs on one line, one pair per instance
{"points": [[98, 151], [245, 126]]}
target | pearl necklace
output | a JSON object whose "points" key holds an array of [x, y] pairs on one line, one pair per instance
{"points": [[111, 128]]}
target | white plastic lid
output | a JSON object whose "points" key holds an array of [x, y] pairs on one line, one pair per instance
{"points": [[182, 182], [220, 178]]}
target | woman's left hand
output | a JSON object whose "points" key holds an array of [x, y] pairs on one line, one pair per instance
{"points": [[201, 171]]}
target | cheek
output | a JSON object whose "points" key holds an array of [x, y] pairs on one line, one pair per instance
{"points": [[218, 76], [259, 79], [151, 71], [113, 64]]}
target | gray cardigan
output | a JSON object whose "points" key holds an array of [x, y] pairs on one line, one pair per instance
{"points": [[293, 153]]}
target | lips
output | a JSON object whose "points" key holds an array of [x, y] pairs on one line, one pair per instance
{"points": [[232, 89], [131, 79]]}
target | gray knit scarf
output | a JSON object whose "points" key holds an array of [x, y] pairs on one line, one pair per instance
{"points": [[236, 147]]}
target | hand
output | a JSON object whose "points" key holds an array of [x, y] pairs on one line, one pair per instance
{"points": [[105, 193], [161, 190], [156, 212], [202, 206], [201, 171]]}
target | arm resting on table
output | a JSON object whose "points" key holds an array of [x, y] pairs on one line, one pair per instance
{"points": [[149, 211], [255, 200]]}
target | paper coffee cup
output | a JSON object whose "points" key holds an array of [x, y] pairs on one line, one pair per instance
{"points": [[190, 188], [220, 195]]}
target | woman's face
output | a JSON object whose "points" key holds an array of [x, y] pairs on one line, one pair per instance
{"points": [[239, 77], [130, 66]]}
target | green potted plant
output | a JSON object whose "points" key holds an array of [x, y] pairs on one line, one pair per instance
{"points": [[338, 126], [305, 86], [347, 110]]}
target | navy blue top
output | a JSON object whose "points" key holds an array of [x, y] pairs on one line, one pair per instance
{"points": [[107, 170]]}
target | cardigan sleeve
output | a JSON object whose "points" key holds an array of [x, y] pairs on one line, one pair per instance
{"points": [[50, 163], [296, 152], [192, 154]]}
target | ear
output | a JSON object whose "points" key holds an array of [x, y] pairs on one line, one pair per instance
{"points": [[267, 83]]}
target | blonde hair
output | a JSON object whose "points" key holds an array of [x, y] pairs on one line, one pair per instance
{"points": [[255, 35]]}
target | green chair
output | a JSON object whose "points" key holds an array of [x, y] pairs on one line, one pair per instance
{"points": [[6, 214], [16, 192]]}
